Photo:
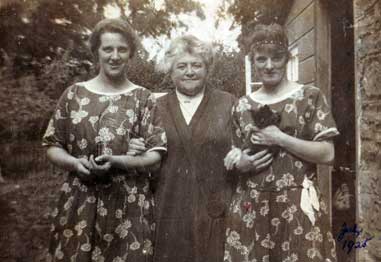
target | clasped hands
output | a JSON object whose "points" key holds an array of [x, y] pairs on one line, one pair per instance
{"points": [[93, 168]]}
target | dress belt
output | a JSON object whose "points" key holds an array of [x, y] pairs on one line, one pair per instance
{"points": [[309, 201], [275, 188]]}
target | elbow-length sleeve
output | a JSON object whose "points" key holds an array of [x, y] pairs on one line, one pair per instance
{"points": [[236, 129], [151, 126], [56, 133], [241, 122], [321, 125]]}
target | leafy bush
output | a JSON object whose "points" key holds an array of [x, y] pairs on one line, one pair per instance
{"points": [[229, 73]]}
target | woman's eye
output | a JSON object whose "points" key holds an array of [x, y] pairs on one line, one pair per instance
{"points": [[260, 59], [278, 58], [123, 50], [107, 49], [197, 65]]}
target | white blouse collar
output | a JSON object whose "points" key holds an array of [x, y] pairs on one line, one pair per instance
{"points": [[131, 88], [276, 99], [185, 98]]}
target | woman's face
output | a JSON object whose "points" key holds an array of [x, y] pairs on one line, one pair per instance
{"points": [[270, 63], [113, 55], [189, 74]]}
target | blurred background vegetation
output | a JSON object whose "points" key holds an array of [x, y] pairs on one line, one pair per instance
{"points": [[43, 50]]}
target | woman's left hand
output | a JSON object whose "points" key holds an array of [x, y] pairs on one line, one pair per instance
{"points": [[268, 136], [101, 164], [232, 158]]}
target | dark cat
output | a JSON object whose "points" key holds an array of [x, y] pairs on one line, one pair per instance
{"points": [[263, 117]]}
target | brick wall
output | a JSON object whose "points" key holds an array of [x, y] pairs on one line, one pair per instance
{"points": [[368, 84]]}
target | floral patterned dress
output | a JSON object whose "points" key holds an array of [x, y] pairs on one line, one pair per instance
{"points": [[266, 220], [108, 220]]}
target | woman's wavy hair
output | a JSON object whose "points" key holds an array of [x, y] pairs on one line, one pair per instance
{"points": [[186, 44], [113, 26]]}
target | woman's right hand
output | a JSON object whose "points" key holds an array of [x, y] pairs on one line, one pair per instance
{"points": [[232, 158], [255, 163], [82, 167], [136, 146], [245, 162]]}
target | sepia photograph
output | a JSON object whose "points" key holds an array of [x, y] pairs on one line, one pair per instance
{"points": [[190, 130]]}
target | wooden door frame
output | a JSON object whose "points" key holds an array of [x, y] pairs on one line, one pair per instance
{"points": [[323, 79]]}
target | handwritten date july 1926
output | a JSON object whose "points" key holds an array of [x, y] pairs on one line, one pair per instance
{"points": [[350, 238]]}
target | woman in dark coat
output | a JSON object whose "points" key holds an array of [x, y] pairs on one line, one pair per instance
{"points": [[193, 187]]}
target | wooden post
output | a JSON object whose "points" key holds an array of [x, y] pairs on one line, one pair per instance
{"points": [[248, 75], [323, 81], [1, 177]]}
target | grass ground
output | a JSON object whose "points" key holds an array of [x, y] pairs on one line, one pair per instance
{"points": [[25, 203]]}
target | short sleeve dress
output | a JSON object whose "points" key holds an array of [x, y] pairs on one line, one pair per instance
{"points": [[110, 220], [280, 214]]}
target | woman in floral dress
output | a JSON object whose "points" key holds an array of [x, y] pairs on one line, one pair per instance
{"points": [[279, 215], [104, 211]]}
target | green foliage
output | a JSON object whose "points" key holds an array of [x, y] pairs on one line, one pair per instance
{"points": [[248, 13], [263, 11], [36, 29], [27, 101], [24, 109], [152, 20], [43, 51], [228, 73], [143, 73]]}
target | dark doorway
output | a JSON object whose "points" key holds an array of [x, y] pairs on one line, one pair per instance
{"points": [[343, 107]]}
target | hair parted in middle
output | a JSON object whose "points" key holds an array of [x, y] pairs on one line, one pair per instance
{"points": [[183, 45], [263, 34]]}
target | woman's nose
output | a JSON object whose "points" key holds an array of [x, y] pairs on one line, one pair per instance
{"points": [[269, 64], [115, 55], [189, 71]]}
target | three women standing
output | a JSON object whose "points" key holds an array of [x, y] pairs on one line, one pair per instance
{"points": [[279, 214], [104, 211]]}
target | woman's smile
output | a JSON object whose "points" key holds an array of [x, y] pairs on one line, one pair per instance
{"points": [[191, 80], [115, 66]]}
